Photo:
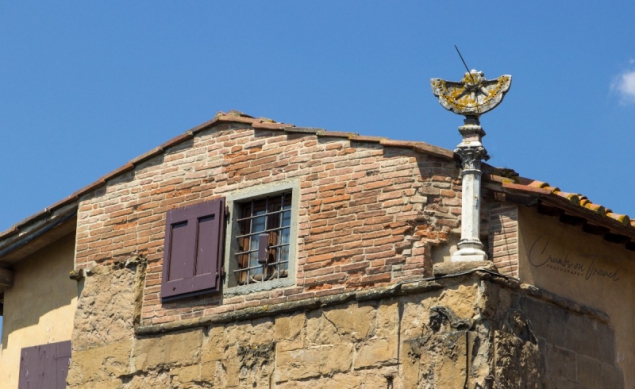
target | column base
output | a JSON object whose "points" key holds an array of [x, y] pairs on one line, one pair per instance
{"points": [[469, 255]]}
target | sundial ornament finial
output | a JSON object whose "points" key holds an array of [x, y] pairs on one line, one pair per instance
{"points": [[473, 95]]}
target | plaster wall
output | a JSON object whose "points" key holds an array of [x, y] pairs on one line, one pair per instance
{"points": [[587, 269], [39, 307]]}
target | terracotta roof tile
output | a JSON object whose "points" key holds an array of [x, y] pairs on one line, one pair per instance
{"points": [[526, 188], [422, 147], [398, 143], [338, 134], [597, 208], [361, 138], [269, 125], [177, 139], [125, 168], [624, 219], [64, 201], [577, 201], [538, 184], [574, 198], [304, 130]]}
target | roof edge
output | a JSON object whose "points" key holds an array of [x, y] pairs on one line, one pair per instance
{"points": [[232, 116]]}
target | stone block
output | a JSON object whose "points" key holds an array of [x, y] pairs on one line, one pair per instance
{"points": [[377, 352], [289, 331], [347, 380], [447, 268], [413, 318], [97, 310], [450, 369], [387, 319], [100, 363], [612, 377], [590, 338], [186, 374], [461, 299], [547, 320], [319, 330], [353, 321], [313, 362], [556, 383], [590, 372], [176, 349], [215, 345], [219, 374], [560, 363]]}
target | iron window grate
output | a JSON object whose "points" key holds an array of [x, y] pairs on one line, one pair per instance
{"points": [[271, 216]]}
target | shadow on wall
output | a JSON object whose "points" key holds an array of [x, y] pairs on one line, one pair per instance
{"points": [[42, 297]]}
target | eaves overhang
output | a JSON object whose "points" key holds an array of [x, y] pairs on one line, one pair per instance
{"points": [[569, 208], [36, 232]]}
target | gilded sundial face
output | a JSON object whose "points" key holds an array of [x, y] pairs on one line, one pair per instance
{"points": [[473, 95]]}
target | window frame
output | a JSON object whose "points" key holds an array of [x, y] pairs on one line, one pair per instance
{"points": [[233, 201]]}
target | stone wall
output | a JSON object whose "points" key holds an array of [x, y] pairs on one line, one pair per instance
{"points": [[579, 351], [478, 330]]}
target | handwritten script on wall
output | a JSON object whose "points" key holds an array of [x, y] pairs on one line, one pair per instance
{"points": [[587, 266]]}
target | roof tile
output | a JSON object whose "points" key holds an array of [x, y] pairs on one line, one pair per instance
{"points": [[538, 184], [574, 198], [305, 130], [597, 208], [177, 139], [236, 119], [145, 156], [270, 126], [361, 138], [397, 143], [624, 219], [526, 188], [337, 134], [125, 168]]}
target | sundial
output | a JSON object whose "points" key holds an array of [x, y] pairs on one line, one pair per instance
{"points": [[473, 95]]}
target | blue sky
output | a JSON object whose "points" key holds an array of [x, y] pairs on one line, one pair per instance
{"points": [[87, 86]]}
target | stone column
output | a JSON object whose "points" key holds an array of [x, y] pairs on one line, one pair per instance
{"points": [[472, 152]]}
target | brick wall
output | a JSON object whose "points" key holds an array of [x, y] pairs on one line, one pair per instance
{"points": [[367, 217], [503, 237]]}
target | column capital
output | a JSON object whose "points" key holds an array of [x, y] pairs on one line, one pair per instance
{"points": [[471, 157]]}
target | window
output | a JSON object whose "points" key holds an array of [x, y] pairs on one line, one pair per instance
{"points": [[193, 249], [261, 238]]}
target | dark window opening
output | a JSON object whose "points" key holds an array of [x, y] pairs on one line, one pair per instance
{"points": [[264, 221]]}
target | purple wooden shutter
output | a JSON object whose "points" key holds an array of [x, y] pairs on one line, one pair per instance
{"points": [[193, 249], [45, 366]]}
